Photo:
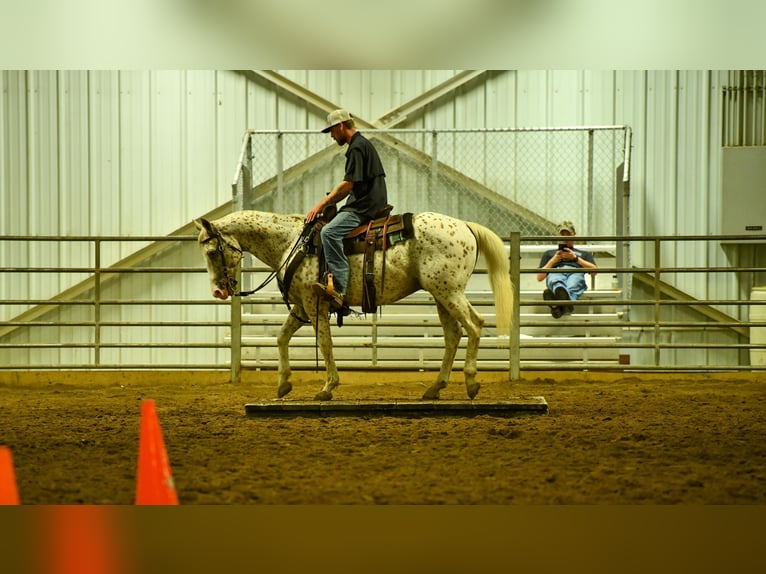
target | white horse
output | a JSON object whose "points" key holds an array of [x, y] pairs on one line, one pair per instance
{"points": [[439, 259]]}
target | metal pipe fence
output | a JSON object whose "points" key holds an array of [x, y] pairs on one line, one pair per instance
{"points": [[157, 314], [160, 316]]}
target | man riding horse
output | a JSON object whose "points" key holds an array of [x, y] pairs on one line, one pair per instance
{"points": [[364, 184]]}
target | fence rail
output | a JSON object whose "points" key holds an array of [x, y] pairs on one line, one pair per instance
{"points": [[98, 322], [86, 323]]}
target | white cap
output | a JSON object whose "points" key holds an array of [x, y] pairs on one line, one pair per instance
{"points": [[335, 117]]}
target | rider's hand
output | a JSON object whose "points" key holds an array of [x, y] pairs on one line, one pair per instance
{"points": [[314, 213]]}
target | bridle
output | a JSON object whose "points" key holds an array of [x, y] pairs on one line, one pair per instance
{"points": [[231, 282]]}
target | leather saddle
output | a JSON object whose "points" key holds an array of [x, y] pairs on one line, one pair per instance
{"points": [[385, 230], [382, 232]]}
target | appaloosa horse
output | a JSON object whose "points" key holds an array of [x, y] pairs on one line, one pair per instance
{"points": [[440, 258]]}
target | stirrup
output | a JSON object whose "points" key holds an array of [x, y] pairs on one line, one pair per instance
{"points": [[328, 292]]}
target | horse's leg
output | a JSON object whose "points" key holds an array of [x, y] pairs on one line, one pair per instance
{"points": [[452, 334], [459, 307], [472, 352], [289, 327], [322, 328]]}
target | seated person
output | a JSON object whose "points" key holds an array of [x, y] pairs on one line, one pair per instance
{"points": [[567, 286]]}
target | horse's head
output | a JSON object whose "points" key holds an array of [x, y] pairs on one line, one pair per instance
{"points": [[222, 254]]}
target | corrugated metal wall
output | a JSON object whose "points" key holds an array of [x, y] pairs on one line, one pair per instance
{"points": [[145, 152]]}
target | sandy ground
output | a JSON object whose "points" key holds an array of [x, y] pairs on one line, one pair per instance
{"points": [[607, 439]]}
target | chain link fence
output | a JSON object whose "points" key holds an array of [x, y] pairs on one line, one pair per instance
{"points": [[524, 180]]}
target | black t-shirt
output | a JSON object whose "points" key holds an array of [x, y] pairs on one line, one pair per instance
{"points": [[364, 169]]}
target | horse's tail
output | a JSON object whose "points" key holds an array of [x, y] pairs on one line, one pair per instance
{"points": [[499, 274]]}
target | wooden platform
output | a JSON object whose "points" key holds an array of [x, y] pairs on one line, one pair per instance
{"points": [[515, 406]]}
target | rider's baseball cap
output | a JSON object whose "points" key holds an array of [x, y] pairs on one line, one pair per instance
{"points": [[566, 226], [335, 117]]}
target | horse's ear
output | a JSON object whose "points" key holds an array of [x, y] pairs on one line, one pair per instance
{"points": [[203, 223]]}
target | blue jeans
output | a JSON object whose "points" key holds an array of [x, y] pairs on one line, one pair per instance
{"points": [[332, 245], [574, 283]]}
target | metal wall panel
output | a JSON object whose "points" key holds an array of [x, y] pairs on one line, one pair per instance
{"points": [[691, 204], [630, 109], [599, 101], [144, 152], [368, 93], [500, 95], [200, 152], [534, 98], [167, 137], [135, 197], [123, 152]]}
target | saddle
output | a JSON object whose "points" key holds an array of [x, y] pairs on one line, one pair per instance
{"points": [[382, 232], [385, 229], [376, 235]]}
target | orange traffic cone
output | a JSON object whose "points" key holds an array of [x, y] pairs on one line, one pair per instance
{"points": [[154, 483], [9, 494]]}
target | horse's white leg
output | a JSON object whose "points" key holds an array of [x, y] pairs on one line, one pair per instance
{"points": [[472, 352], [322, 329], [459, 307], [289, 327], [452, 334]]}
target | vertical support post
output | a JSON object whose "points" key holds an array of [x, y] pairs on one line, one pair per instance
{"points": [[237, 204], [246, 201], [752, 97], [434, 167], [622, 244], [623, 213], [589, 191], [619, 225], [657, 295], [374, 341], [97, 305], [762, 90], [280, 155], [514, 343], [247, 174], [236, 336]]}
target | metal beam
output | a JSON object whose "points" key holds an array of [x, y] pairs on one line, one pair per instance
{"points": [[676, 294], [287, 86], [390, 119], [416, 105]]}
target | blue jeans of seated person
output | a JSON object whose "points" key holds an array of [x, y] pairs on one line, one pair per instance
{"points": [[574, 283], [332, 245]]}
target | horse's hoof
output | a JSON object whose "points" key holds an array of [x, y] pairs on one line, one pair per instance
{"points": [[432, 392], [283, 389], [323, 396], [473, 390]]}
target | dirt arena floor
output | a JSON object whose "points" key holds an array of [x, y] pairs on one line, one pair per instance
{"points": [[611, 439]]}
